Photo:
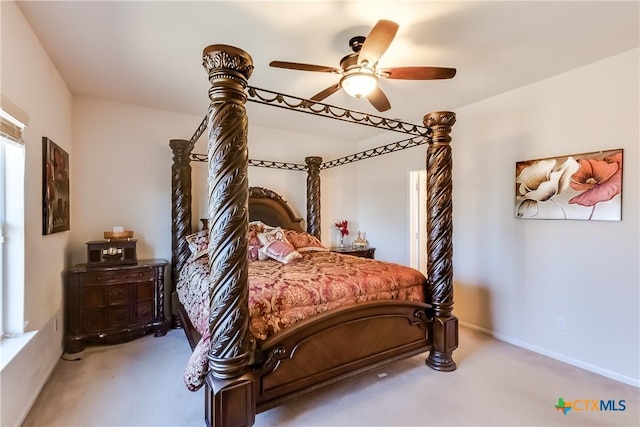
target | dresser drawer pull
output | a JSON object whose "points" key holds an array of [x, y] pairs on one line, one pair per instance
{"points": [[118, 293]]}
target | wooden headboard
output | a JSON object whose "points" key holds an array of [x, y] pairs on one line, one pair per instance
{"points": [[269, 207]]}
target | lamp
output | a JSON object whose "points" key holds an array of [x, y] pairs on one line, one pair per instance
{"points": [[360, 83]]}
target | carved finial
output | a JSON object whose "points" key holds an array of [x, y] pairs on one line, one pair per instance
{"points": [[439, 124], [440, 118], [225, 57], [313, 161], [225, 66]]}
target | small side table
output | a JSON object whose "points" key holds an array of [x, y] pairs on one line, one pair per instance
{"points": [[114, 304], [366, 252]]}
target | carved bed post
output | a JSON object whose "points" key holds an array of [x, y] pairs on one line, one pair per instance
{"points": [[440, 240], [180, 205], [313, 195], [232, 401]]}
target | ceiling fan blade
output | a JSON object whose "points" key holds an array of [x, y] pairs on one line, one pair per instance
{"points": [[418, 73], [377, 42], [325, 93], [304, 67], [379, 100]]}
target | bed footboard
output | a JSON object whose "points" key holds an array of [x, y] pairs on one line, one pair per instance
{"points": [[318, 352], [339, 344]]}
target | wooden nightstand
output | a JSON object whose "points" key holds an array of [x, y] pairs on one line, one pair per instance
{"points": [[114, 304], [367, 252]]}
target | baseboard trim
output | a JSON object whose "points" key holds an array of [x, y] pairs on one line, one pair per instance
{"points": [[557, 356], [41, 383]]}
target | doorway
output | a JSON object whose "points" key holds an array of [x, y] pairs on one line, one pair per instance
{"points": [[418, 220]]}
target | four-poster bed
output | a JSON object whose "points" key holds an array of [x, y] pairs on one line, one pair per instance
{"points": [[246, 376]]}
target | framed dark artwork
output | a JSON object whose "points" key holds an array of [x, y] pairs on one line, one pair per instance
{"points": [[584, 186], [55, 188]]}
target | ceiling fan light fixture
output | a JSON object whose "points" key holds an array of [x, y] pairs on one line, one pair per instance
{"points": [[359, 84]]}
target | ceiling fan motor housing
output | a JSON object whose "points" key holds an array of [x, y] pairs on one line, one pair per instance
{"points": [[349, 62], [356, 43]]}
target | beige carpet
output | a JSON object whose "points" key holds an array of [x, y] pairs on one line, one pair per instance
{"points": [[140, 384]]}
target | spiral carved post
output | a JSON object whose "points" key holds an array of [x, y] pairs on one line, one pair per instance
{"points": [[313, 195], [440, 240], [180, 205], [233, 399]]}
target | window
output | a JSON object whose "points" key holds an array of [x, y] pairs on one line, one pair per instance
{"points": [[11, 223]]}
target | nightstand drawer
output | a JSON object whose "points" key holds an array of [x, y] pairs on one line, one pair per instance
{"points": [[95, 297], [143, 312], [118, 295], [144, 291], [94, 320], [118, 316], [108, 277], [103, 319]]}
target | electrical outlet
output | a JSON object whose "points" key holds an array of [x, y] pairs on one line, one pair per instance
{"points": [[55, 325], [560, 323]]}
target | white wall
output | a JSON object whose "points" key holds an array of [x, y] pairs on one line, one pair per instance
{"points": [[383, 201], [123, 173], [514, 277], [30, 80]]}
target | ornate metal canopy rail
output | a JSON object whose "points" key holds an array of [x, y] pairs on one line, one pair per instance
{"points": [[198, 134], [264, 96], [374, 152], [196, 157], [362, 155], [277, 165], [319, 109]]}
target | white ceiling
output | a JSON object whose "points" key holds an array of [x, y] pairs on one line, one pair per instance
{"points": [[149, 52]]}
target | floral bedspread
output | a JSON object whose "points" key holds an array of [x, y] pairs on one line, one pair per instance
{"points": [[281, 295]]}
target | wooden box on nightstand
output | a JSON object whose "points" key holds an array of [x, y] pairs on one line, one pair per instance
{"points": [[113, 304]]}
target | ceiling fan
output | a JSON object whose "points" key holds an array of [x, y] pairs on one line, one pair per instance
{"points": [[360, 72]]}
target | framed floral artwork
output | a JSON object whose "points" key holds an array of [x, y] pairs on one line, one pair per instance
{"points": [[55, 188], [581, 186]]}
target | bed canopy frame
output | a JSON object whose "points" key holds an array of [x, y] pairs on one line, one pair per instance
{"points": [[237, 387]]}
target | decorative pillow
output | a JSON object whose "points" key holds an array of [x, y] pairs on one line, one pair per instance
{"points": [[269, 236], [253, 246], [198, 243], [280, 251], [304, 242], [259, 227]]}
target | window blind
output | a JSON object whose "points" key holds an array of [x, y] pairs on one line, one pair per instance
{"points": [[12, 121]]}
